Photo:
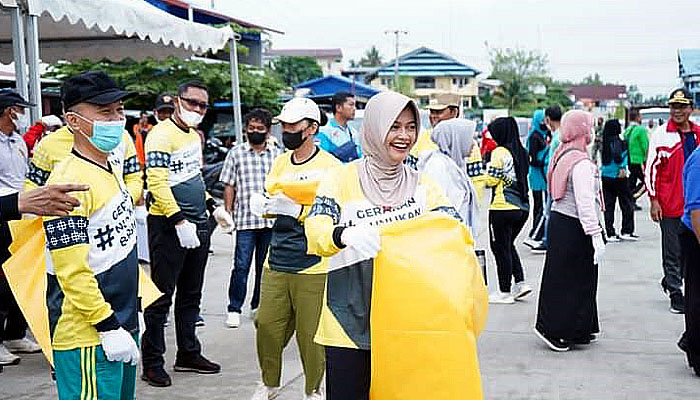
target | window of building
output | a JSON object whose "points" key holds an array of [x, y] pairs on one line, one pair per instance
{"points": [[423, 101], [424, 83], [387, 81]]}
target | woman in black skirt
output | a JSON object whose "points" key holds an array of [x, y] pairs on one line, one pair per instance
{"points": [[567, 313]]}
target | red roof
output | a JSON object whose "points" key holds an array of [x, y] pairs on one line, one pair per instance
{"points": [[316, 53], [599, 92]]}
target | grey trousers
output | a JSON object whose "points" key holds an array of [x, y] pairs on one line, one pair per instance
{"points": [[671, 254]]}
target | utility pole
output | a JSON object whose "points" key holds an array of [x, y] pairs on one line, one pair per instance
{"points": [[396, 34]]}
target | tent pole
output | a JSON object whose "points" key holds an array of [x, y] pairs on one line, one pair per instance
{"points": [[235, 92], [18, 52], [33, 63]]}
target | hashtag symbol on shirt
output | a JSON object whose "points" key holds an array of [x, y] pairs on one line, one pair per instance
{"points": [[105, 237]]}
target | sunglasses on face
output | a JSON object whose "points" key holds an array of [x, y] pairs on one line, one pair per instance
{"points": [[203, 105]]}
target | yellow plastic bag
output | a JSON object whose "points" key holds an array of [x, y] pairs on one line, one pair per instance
{"points": [[302, 192], [429, 304], [26, 274]]}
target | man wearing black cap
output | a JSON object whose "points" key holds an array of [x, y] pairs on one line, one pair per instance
{"points": [[13, 168], [164, 107], [92, 271], [670, 146], [92, 87], [178, 234]]}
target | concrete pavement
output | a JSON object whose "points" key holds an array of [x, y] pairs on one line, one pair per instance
{"points": [[636, 357]]}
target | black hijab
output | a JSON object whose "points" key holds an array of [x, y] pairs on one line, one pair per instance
{"points": [[613, 146], [505, 132]]}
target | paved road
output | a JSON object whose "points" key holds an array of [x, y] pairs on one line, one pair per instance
{"points": [[636, 357]]}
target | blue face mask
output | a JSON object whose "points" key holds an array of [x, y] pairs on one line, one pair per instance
{"points": [[106, 135]]}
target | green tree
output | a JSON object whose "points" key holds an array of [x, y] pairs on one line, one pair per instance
{"points": [[593, 79], [404, 86], [258, 88], [518, 70], [372, 58], [293, 70]]}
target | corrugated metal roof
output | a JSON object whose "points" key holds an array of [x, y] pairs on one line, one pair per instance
{"points": [[427, 62], [599, 92], [688, 62]]}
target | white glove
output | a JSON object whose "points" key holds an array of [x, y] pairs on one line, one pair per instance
{"points": [[258, 203], [187, 235], [223, 218], [119, 346], [598, 248], [280, 204], [363, 239]]}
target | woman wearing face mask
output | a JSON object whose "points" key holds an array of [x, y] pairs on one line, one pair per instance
{"points": [[507, 175], [567, 313], [292, 283], [448, 166], [344, 222]]}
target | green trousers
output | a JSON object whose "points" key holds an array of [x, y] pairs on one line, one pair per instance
{"points": [[290, 303], [85, 373]]}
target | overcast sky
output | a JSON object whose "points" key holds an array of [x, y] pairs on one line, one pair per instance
{"points": [[627, 42]]}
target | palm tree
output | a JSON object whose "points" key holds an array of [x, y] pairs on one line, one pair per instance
{"points": [[372, 58]]}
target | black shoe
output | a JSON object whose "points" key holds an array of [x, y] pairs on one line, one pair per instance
{"points": [[197, 364], [677, 304], [156, 377], [554, 344], [637, 208], [587, 340], [539, 249], [200, 321]]}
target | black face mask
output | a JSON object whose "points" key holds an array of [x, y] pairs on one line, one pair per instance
{"points": [[293, 140], [256, 138]]}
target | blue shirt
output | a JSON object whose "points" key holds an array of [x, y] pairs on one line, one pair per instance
{"points": [[691, 187], [341, 141], [613, 169]]}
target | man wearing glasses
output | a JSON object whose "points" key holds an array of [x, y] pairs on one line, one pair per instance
{"points": [[178, 236], [669, 147]]}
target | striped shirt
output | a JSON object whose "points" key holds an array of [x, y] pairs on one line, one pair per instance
{"points": [[245, 170]]}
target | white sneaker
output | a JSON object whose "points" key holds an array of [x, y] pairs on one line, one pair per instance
{"points": [[24, 345], [629, 236], [499, 297], [7, 358], [521, 290], [614, 239], [265, 392], [317, 395], [233, 320]]}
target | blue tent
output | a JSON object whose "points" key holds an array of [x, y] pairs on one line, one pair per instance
{"points": [[329, 85]]}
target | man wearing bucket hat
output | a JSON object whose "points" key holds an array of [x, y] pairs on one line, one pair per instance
{"points": [[291, 292], [670, 146]]}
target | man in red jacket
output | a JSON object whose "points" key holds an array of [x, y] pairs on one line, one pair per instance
{"points": [[670, 145]]}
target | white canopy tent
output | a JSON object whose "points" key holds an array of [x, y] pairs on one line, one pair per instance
{"points": [[114, 29]]}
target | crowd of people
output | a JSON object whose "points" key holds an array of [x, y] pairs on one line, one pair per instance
{"points": [[315, 221]]}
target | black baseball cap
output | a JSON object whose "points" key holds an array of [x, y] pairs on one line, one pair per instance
{"points": [[94, 87], [680, 96], [11, 97], [165, 100]]}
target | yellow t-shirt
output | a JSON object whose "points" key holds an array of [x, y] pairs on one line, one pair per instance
{"points": [[500, 174], [340, 202], [92, 263], [424, 144], [299, 181]]}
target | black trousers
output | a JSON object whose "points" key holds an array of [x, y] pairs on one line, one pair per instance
{"points": [[618, 190], [173, 269], [12, 323], [636, 179], [348, 373], [504, 227], [690, 260], [537, 231]]}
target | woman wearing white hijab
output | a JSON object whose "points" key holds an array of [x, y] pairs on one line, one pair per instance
{"points": [[448, 166], [351, 204]]}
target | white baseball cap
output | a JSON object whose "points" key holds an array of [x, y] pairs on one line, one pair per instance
{"points": [[51, 120], [297, 109]]}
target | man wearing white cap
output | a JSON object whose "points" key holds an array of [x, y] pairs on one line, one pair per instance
{"points": [[291, 292]]}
